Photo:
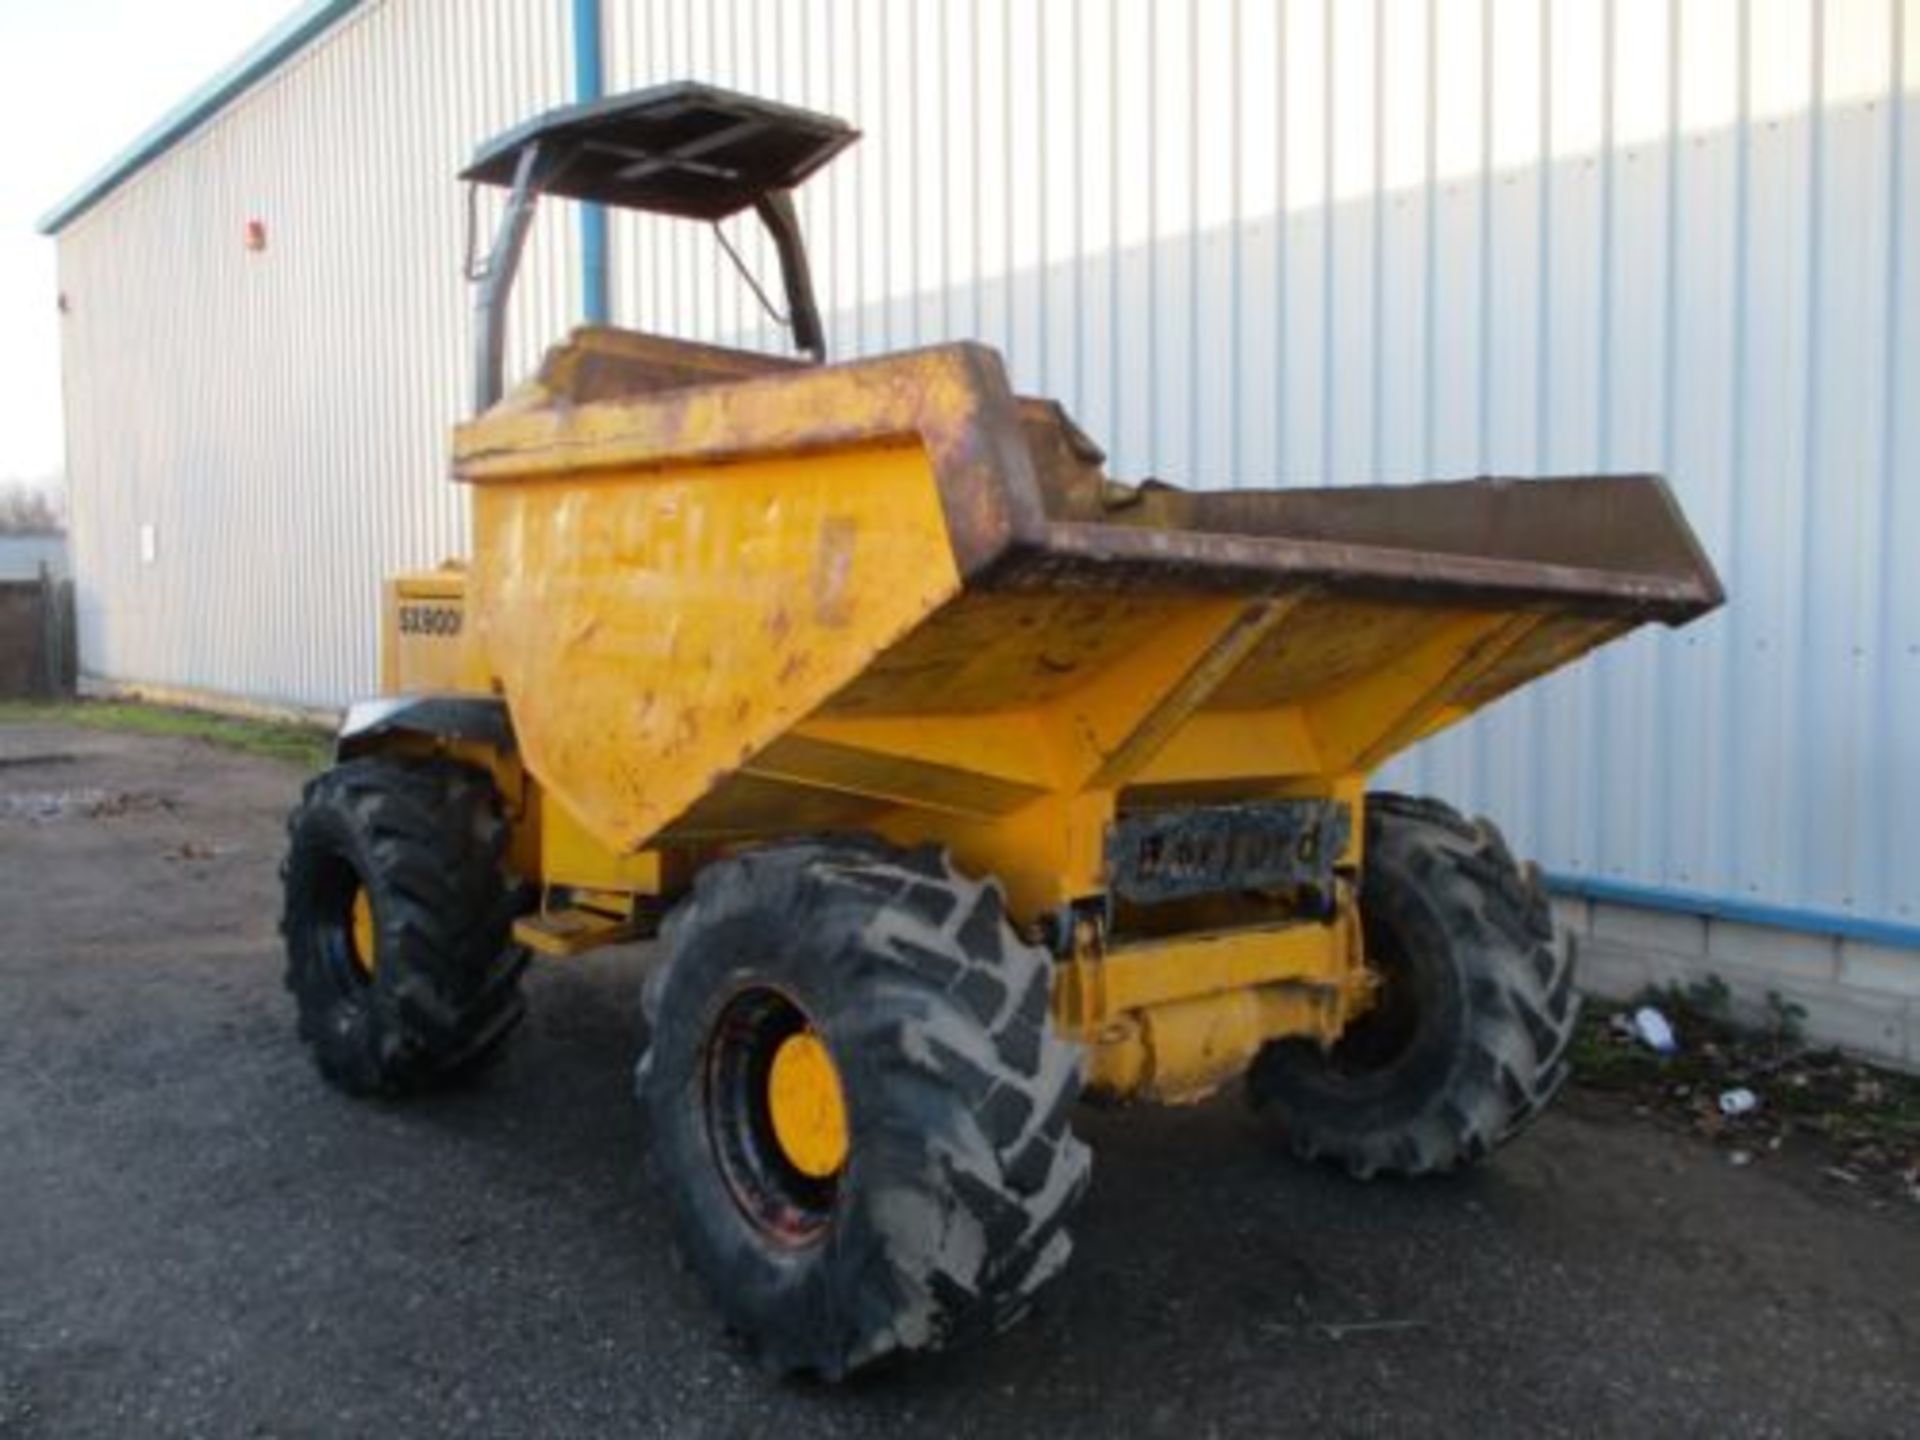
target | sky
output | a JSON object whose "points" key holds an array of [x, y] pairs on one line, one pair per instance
{"points": [[79, 80]]}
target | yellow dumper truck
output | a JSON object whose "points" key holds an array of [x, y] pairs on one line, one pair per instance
{"points": [[958, 780]]}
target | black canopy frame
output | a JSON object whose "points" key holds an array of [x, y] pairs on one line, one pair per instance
{"points": [[687, 150]]}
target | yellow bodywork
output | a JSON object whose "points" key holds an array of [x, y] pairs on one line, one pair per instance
{"points": [[752, 600], [651, 641]]}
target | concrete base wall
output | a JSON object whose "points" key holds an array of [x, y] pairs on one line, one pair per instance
{"points": [[176, 697], [1863, 998]]}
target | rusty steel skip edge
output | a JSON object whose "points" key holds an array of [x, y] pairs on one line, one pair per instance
{"points": [[727, 598]]}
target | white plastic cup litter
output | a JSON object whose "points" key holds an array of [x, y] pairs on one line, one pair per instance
{"points": [[1655, 1030]]}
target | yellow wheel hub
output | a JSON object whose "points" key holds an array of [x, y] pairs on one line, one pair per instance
{"points": [[364, 954], [809, 1112]]}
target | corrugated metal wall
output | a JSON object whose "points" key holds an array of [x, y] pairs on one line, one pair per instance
{"points": [[1249, 241], [1245, 241], [272, 426]]}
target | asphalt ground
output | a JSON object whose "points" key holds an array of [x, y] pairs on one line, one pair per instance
{"points": [[197, 1237]]}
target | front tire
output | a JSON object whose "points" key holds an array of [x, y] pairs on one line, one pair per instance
{"points": [[397, 918], [956, 1168], [1467, 1041]]}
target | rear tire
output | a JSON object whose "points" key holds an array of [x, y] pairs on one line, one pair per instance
{"points": [[424, 842], [1468, 1038], [949, 1210]]}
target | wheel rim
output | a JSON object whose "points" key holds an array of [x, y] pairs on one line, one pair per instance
{"points": [[808, 1111], [362, 947], [776, 1115], [340, 933]]}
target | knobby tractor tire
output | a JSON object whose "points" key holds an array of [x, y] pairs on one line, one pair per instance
{"points": [[425, 841], [948, 1213], [1468, 1039]]}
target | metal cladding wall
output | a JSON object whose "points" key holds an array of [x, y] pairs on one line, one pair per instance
{"points": [[256, 438], [1250, 242], [1246, 241]]}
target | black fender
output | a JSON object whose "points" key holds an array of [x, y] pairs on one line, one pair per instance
{"points": [[443, 717]]}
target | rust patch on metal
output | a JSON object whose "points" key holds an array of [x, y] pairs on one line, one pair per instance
{"points": [[598, 363], [1089, 557], [954, 399], [1024, 496]]}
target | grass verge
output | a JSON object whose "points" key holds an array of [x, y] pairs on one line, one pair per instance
{"points": [[307, 746]]}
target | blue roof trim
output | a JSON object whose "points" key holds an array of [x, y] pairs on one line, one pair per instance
{"points": [[1891, 933], [286, 40]]}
